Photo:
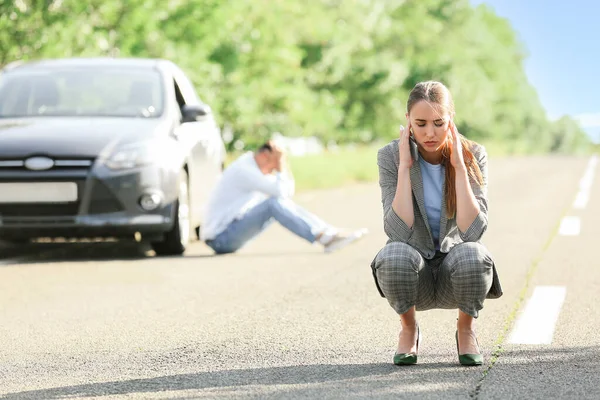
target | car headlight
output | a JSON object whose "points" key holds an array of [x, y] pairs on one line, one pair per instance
{"points": [[133, 156]]}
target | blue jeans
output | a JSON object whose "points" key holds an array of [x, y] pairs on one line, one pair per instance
{"points": [[257, 219]]}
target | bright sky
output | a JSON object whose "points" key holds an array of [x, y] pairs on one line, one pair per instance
{"points": [[562, 39]]}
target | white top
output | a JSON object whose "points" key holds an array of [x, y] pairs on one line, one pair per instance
{"points": [[241, 187]]}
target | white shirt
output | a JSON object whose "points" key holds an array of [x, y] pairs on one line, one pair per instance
{"points": [[241, 187]]}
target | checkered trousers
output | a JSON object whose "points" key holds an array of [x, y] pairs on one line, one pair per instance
{"points": [[459, 279]]}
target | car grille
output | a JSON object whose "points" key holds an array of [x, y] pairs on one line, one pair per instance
{"points": [[38, 210], [59, 164], [12, 213], [102, 199], [15, 171]]}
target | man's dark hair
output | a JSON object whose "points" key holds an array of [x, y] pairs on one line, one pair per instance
{"points": [[265, 147]]}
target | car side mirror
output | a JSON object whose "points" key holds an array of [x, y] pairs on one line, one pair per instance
{"points": [[191, 112]]}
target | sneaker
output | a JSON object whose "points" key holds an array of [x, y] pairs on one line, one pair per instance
{"points": [[341, 240]]}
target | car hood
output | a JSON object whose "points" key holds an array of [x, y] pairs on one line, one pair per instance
{"points": [[73, 137]]}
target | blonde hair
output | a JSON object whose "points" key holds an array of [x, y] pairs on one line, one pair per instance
{"points": [[439, 97]]}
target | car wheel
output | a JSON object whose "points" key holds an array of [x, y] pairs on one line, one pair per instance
{"points": [[176, 240]]}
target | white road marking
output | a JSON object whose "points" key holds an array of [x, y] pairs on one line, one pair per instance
{"points": [[537, 322], [581, 200], [585, 184], [570, 226]]}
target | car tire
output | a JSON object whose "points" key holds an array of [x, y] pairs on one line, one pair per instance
{"points": [[177, 239]]}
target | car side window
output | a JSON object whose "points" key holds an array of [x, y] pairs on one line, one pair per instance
{"points": [[186, 88], [178, 95]]}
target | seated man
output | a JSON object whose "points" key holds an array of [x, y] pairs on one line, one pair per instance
{"points": [[254, 191]]}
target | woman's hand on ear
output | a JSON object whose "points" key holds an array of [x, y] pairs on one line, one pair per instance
{"points": [[406, 160], [456, 158]]}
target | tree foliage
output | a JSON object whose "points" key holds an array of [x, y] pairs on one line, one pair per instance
{"points": [[340, 70]]}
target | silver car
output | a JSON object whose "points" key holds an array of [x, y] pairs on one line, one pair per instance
{"points": [[105, 147]]}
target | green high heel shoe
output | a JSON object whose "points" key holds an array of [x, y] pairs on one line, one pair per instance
{"points": [[408, 358], [469, 359]]}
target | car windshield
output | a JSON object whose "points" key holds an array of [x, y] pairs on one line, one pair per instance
{"points": [[82, 91]]}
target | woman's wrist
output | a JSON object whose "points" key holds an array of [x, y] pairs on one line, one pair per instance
{"points": [[461, 169]]}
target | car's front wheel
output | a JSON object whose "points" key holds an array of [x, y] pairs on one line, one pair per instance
{"points": [[177, 239]]}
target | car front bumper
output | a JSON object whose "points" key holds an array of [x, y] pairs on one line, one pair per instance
{"points": [[108, 204], [100, 225]]}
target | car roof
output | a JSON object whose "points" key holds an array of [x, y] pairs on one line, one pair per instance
{"points": [[123, 62]]}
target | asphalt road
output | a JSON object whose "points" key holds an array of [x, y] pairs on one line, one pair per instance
{"points": [[283, 320]]}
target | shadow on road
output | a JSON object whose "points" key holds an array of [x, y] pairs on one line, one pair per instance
{"points": [[320, 376], [77, 251], [375, 380], [36, 253]]}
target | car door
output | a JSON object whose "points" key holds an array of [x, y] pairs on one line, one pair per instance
{"points": [[205, 143]]}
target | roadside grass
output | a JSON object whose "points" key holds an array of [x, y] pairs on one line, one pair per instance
{"points": [[331, 169], [357, 164], [335, 168]]}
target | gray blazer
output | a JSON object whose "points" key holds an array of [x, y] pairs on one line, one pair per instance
{"points": [[419, 236]]}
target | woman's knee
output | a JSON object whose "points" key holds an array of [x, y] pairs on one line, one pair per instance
{"points": [[470, 256], [470, 268], [397, 260]]}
